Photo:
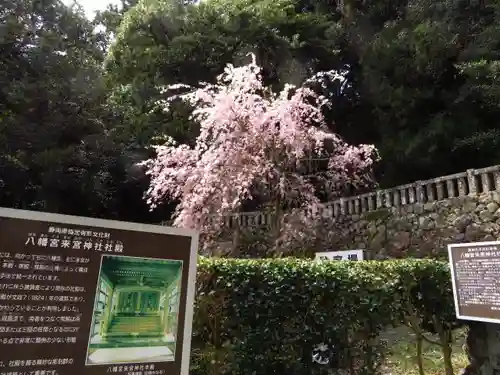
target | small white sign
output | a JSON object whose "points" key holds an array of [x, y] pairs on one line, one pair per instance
{"points": [[340, 255]]}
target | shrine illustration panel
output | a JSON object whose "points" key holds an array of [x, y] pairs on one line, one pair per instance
{"points": [[136, 306]]}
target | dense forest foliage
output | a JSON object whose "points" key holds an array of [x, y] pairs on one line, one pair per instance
{"points": [[82, 100]]}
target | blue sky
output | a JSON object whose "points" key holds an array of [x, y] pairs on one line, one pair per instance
{"points": [[91, 6]]}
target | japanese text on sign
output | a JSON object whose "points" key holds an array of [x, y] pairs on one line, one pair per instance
{"points": [[75, 242], [476, 280], [108, 292], [353, 255]]}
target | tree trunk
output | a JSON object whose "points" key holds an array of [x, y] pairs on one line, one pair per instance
{"points": [[445, 337], [420, 361], [235, 241], [476, 348], [447, 352], [276, 225]]}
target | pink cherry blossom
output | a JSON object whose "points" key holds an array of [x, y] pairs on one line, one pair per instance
{"points": [[252, 143]]}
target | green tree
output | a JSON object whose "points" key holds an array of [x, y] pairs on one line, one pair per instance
{"points": [[163, 42], [56, 152], [426, 73]]}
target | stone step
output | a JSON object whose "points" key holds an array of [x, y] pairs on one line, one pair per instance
{"points": [[121, 335], [125, 327], [133, 322], [142, 325], [135, 329], [134, 315], [136, 323], [154, 324]]}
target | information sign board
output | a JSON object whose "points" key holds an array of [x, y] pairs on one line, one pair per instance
{"points": [[87, 296], [475, 272]]}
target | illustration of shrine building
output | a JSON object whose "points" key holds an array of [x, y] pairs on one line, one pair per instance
{"points": [[137, 300]]}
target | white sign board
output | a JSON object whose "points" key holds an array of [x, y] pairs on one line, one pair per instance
{"points": [[340, 255]]}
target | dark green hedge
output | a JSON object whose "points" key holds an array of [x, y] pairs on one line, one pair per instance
{"points": [[264, 317]]}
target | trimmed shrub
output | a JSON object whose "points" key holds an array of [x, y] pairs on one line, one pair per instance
{"points": [[271, 316]]}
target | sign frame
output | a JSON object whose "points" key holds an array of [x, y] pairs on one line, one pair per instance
{"points": [[454, 281], [358, 252], [20, 214]]}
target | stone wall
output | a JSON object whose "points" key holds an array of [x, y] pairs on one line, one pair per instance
{"points": [[423, 228], [417, 219]]}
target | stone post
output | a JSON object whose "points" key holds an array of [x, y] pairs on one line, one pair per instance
{"points": [[350, 206], [440, 190], [371, 199], [379, 200], [431, 197], [461, 187], [364, 203], [404, 200], [388, 202], [342, 207], [450, 188], [420, 192], [411, 195], [496, 178], [357, 206], [471, 180], [485, 181], [336, 209], [397, 198]]}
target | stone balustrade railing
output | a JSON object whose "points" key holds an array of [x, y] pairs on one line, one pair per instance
{"points": [[471, 182]]}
